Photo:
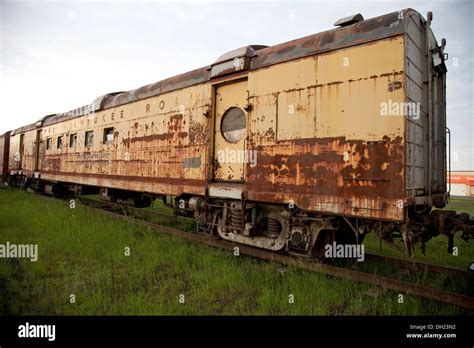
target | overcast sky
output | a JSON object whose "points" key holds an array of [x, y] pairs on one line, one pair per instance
{"points": [[56, 56]]}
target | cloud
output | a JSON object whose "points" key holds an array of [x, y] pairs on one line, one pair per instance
{"points": [[56, 56]]}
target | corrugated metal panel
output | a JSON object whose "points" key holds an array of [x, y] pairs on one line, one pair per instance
{"points": [[426, 135], [416, 92]]}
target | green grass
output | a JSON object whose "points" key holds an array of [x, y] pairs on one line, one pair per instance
{"points": [[461, 205], [437, 248], [81, 252]]}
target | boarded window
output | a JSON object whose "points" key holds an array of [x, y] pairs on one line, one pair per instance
{"points": [[48, 143], [89, 138], [73, 140], [59, 143], [108, 135]]}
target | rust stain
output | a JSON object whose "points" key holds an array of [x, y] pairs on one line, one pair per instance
{"points": [[316, 167], [368, 30], [150, 138], [394, 85], [198, 133]]}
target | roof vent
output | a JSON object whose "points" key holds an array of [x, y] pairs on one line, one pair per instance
{"points": [[235, 60], [349, 20]]}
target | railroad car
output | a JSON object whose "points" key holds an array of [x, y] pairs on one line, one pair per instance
{"points": [[288, 148], [23, 159], [4, 155]]}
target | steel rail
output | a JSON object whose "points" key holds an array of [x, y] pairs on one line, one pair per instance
{"points": [[412, 264]]}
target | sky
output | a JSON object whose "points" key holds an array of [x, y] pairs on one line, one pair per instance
{"points": [[59, 55]]}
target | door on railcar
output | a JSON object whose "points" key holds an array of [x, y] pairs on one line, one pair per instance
{"points": [[36, 147], [21, 151], [230, 131]]}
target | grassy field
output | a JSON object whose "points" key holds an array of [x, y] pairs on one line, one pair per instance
{"points": [[436, 249], [82, 252]]}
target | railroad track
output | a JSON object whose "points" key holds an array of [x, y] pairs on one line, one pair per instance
{"points": [[415, 265], [387, 283]]}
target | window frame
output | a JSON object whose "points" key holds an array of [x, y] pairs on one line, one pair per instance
{"points": [[104, 138], [71, 136], [86, 138], [59, 142]]}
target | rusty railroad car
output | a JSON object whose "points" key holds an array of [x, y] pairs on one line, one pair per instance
{"points": [[23, 160], [287, 147], [4, 155]]}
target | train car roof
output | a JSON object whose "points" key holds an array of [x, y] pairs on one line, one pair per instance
{"points": [[27, 128], [96, 105], [350, 33]]}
